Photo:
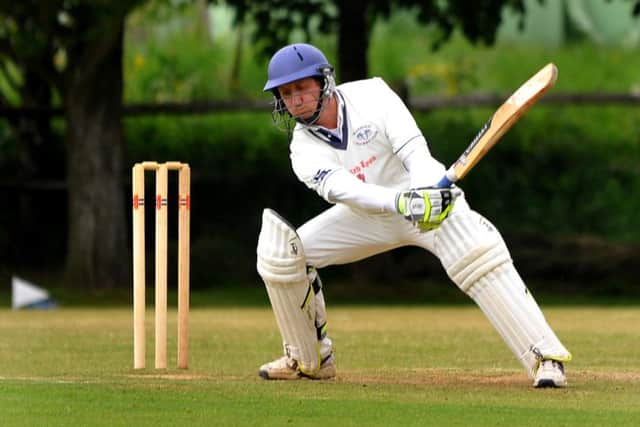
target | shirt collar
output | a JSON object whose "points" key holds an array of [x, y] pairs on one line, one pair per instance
{"points": [[337, 139]]}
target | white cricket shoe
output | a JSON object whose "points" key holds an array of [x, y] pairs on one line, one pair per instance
{"points": [[550, 374], [285, 368]]}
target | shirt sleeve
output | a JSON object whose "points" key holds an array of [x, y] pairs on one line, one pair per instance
{"points": [[423, 169], [322, 172], [408, 142], [399, 125], [343, 187]]}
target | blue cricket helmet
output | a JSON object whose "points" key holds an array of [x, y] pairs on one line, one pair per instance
{"points": [[294, 62]]}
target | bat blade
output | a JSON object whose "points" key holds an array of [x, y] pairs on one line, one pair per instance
{"points": [[500, 122]]}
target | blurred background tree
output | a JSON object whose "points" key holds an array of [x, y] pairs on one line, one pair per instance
{"points": [[72, 51], [277, 20], [82, 57]]}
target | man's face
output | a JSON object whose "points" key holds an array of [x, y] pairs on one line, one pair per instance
{"points": [[301, 97]]}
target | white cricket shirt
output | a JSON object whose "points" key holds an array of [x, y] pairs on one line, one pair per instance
{"points": [[376, 151]]}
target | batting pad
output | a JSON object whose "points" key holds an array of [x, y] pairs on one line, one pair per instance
{"points": [[476, 258], [282, 266]]}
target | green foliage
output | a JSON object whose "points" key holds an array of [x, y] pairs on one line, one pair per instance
{"points": [[561, 169], [168, 58], [554, 172], [229, 144], [401, 52], [276, 21], [165, 73]]}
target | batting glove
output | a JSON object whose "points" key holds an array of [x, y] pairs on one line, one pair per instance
{"points": [[427, 207]]}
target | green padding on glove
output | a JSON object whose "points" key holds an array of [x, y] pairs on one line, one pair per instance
{"points": [[427, 207]]}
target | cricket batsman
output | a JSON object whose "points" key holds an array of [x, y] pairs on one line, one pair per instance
{"points": [[360, 149]]}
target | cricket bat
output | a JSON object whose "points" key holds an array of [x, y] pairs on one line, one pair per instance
{"points": [[500, 122]]}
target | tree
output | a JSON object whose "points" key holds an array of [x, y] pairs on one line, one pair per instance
{"points": [[352, 22], [76, 47]]}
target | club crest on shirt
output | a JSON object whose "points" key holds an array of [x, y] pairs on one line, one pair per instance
{"points": [[364, 134]]}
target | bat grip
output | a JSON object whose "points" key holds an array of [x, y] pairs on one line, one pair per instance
{"points": [[447, 180], [444, 182]]}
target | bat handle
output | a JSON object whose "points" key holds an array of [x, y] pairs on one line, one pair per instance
{"points": [[444, 182], [448, 179]]}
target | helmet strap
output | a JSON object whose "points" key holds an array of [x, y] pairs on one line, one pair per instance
{"points": [[327, 88]]}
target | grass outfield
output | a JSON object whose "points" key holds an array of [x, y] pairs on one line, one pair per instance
{"points": [[398, 366]]}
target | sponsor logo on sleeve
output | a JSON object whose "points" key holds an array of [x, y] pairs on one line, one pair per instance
{"points": [[320, 175]]}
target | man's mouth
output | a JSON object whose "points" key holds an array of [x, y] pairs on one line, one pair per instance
{"points": [[303, 114]]}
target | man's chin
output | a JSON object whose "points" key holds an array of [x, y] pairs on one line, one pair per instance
{"points": [[304, 117]]}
